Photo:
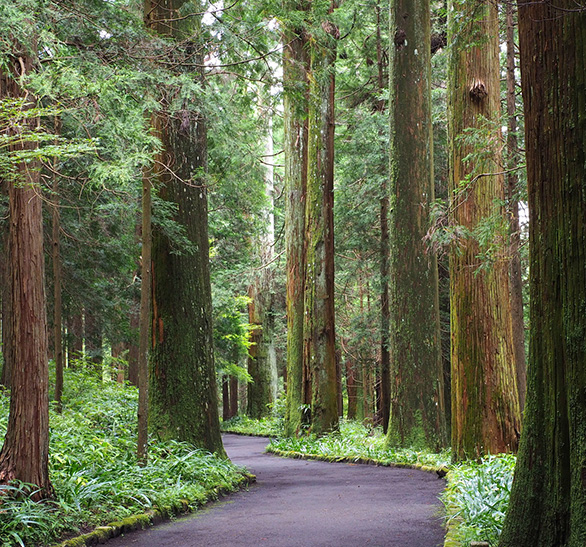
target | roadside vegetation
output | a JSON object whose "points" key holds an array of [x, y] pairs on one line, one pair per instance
{"points": [[94, 470], [476, 496]]}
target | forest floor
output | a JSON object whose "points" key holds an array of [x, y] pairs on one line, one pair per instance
{"points": [[309, 503]]}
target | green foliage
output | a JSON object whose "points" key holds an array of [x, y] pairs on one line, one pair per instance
{"points": [[357, 442], [477, 498], [94, 471], [268, 426]]}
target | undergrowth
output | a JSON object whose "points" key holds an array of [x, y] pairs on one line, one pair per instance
{"points": [[477, 497], [94, 472]]}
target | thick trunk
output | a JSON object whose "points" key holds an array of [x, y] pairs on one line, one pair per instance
{"points": [[417, 403], [25, 453], [318, 329], [516, 279], [485, 403], [182, 389], [548, 499], [295, 67]]}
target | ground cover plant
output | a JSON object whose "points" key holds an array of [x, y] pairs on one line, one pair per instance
{"points": [[94, 472]]}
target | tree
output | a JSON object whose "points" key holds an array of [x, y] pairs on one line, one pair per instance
{"points": [[319, 350], [417, 403], [25, 451], [295, 86], [312, 392], [512, 194], [548, 498], [485, 404], [182, 393], [262, 361]]}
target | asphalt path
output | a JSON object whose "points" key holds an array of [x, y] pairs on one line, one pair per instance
{"points": [[298, 503]]}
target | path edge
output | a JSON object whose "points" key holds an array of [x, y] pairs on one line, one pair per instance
{"points": [[140, 521]]}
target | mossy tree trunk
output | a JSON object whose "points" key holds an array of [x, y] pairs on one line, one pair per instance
{"points": [[25, 452], [485, 404], [309, 147], [183, 399], [295, 86], [319, 351], [548, 499], [417, 402]]}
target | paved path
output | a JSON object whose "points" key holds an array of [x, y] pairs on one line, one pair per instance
{"points": [[297, 503]]}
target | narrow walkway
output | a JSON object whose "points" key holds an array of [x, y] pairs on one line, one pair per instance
{"points": [[298, 503]]}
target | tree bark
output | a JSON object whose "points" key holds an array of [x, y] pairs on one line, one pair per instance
{"points": [[548, 498], [319, 350], [512, 191], [183, 388], [485, 403], [25, 452], [57, 305], [295, 86], [144, 337], [417, 402]]}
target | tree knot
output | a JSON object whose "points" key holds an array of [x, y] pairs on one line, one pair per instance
{"points": [[400, 38], [478, 91]]}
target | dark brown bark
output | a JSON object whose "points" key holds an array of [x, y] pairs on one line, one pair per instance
{"points": [[351, 389], [25, 452], [385, 315], [233, 397], [548, 498], [144, 320]]}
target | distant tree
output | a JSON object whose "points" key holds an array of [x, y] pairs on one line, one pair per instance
{"points": [[262, 359], [548, 498], [485, 404], [417, 392]]}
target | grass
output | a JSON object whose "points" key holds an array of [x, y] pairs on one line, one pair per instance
{"points": [[94, 472], [477, 493]]}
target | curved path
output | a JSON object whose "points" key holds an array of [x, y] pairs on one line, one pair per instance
{"points": [[297, 503]]}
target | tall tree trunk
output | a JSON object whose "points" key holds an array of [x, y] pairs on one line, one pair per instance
{"points": [[6, 279], [512, 191], [295, 68], [57, 305], [485, 403], [25, 452], [262, 362], [548, 498], [385, 315], [233, 397], [318, 329], [144, 337], [417, 402], [183, 388], [351, 388]]}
